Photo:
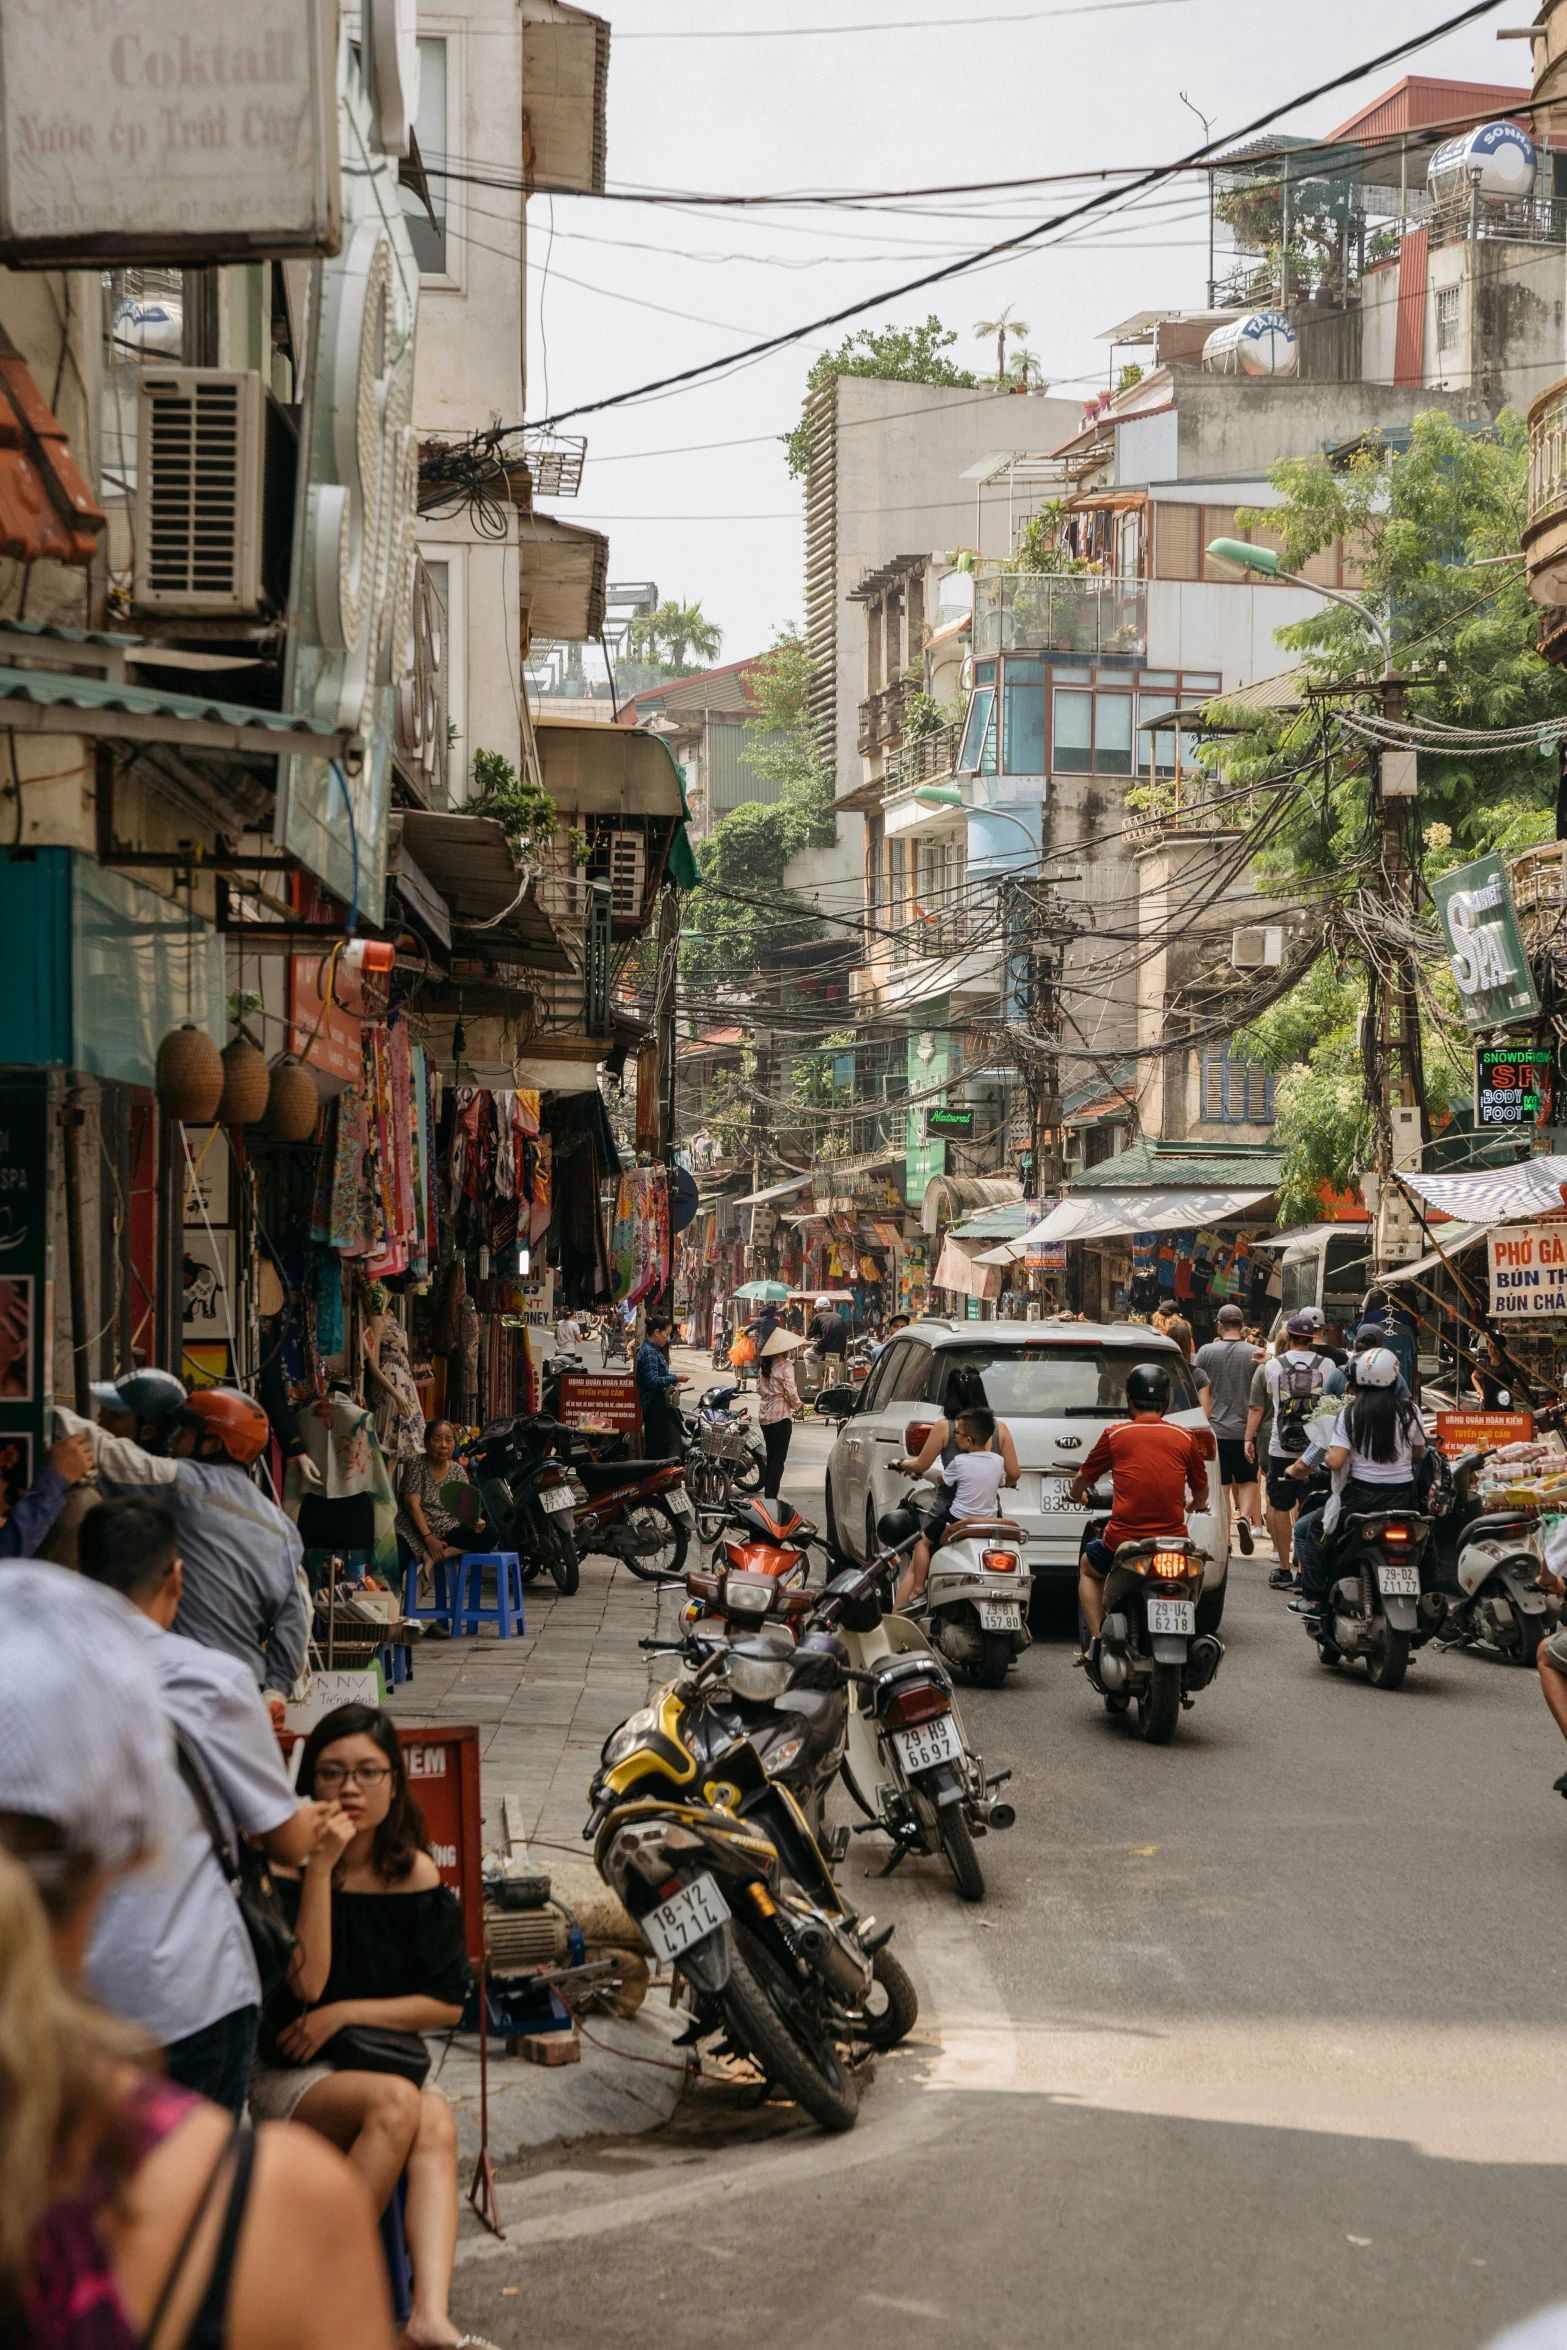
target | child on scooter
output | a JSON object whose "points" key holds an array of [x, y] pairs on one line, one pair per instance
{"points": [[975, 1475]]}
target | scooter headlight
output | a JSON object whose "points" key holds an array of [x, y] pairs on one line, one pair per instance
{"points": [[748, 1595], [633, 1730]]}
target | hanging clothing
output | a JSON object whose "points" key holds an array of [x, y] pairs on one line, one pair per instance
{"points": [[399, 1415], [339, 1436]]}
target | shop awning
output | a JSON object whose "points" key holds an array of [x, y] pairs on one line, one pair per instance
{"points": [[42, 701], [961, 1270], [754, 1199], [950, 1197], [1111, 1215], [993, 1224], [1453, 1238], [1495, 1195], [593, 770], [564, 572], [469, 860]]}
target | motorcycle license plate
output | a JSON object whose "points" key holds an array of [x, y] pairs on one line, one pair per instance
{"points": [[998, 1615], [1395, 1580], [932, 1743], [1055, 1493], [557, 1498], [1172, 1615], [687, 1917], [680, 1501]]}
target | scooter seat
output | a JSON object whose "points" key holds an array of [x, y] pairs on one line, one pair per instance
{"points": [[988, 1526], [1513, 1521], [599, 1476]]}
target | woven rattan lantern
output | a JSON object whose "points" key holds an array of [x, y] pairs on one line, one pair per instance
{"points": [[247, 1083], [190, 1075], [292, 1102]]}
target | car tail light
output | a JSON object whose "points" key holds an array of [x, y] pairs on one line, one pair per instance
{"points": [[1172, 1563], [1203, 1444], [916, 1436], [921, 1703], [1000, 1562]]}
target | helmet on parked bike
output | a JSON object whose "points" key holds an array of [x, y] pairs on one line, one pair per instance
{"points": [[895, 1527], [1378, 1368], [1147, 1388], [237, 1421]]}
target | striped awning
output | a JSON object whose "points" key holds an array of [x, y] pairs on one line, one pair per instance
{"points": [[1495, 1195]]}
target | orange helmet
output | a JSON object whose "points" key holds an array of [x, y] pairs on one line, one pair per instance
{"points": [[237, 1421]]}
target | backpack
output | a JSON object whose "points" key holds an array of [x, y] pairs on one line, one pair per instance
{"points": [[1299, 1387]]}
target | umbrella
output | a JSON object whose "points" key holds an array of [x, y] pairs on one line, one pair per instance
{"points": [[773, 1293]]}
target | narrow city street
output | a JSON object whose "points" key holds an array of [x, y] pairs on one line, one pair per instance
{"points": [[1249, 2041]]}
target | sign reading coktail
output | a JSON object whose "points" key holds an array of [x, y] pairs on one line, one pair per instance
{"points": [[167, 130], [1484, 945]]}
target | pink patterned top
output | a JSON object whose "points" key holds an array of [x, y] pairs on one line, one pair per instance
{"points": [[73, 2302], [778, 1398]]}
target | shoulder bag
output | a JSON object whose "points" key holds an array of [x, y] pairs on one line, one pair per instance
{"points": [[372, 2048], [248, 1876]]}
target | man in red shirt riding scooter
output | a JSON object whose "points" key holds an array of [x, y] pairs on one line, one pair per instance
{"points": [[1152, 1466]]}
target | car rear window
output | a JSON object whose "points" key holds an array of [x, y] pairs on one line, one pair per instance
{"points": [[1081, 1381]]}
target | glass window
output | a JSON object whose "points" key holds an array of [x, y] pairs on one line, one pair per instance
{"points": [[910, 1387], [428, 236], [1071, 1380], [1073, 749], [1155, 745], [1113, 734], [1073, 676], [1160, 677], [978, 753], [884, 1374], [985, 673], [1023, 736]]}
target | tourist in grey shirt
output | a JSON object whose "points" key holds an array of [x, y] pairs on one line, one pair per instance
{"points": [[241, 1554], [171, 1949], [1226, 1364]]}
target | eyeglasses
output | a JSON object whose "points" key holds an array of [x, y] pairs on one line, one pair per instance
{"points": [[362, 1774]]}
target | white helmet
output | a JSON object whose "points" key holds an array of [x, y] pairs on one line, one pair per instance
{"points": [[1377, 1368]]}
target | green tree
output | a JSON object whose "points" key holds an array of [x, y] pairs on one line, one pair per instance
{"points": [[1005, 328], [894, 354], [670, 630], [523, 808]]}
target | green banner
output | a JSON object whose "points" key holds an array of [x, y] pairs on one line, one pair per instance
{"points": [[1485, 946]]}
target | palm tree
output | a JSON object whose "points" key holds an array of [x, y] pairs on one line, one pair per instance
{"points": [[1001, 327], [1023, 368], [678, 626]]}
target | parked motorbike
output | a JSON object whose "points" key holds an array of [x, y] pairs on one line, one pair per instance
{"points": [[1375, 1610], [637, 1511], [1149, 1646], [725, 1455], [909, 1766], [975, 1608], [732, 1891], [521, 1489], [1489, 1563]]}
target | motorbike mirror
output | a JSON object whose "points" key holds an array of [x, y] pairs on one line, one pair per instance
{"points": [[834, 1403]]}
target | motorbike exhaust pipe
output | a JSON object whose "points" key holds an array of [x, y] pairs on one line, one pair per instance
{"points": [[834, 1963], [999, 1815], [1112, 1669], [1433, 1607]]}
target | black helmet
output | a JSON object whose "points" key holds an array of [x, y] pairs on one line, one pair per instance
{"points": [[1147, 1388], [895, 1527]]}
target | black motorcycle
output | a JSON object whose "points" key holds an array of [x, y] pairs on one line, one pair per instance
{"points": [[521, 1489], [1376, 1610]]}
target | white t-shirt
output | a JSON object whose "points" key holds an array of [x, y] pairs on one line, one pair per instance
{"points": [[1366, 1471], [975, 1479]]}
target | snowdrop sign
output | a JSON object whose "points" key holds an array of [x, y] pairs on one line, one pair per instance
{"points": [[1484, 945]]}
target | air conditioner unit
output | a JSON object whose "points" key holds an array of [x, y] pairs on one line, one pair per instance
{"points": [[627, 874], [200, 488], [1259, 949]]}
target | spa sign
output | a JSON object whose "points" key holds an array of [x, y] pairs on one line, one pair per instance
{"points": [[167, 130], [1485, 946]]}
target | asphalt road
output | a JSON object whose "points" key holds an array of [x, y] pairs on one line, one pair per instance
{"points": [[1254, 2040]]}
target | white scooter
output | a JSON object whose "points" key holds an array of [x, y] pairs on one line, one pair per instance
{"points": [[975, 1608]]}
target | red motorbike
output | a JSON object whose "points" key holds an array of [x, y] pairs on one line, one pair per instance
{"points": [[758, 1571]]}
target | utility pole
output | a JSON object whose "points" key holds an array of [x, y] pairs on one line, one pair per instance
{"points": [[1393, 1004], [664, 1036], [1041, 930]]}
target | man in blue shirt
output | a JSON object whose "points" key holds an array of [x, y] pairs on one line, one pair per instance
{"points": [[657, 1382], [32, 1513]]}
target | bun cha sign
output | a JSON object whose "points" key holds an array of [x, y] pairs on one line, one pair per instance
{"points": [[167, 130]]}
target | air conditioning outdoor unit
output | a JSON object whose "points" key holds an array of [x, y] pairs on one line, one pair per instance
{"points": [[1259, 949], [200, 474], [627, 874]]}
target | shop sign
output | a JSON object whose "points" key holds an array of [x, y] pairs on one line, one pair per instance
{"points": [[603, 1401], [949, 1122], [166, 133], [443, 1773], [1528, 1268], [28, 1178], [1461, 1432], [536, 1298], [1485, 946], [1513, 1084]]}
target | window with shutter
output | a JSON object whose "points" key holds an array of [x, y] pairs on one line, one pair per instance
{"points": [[1177, 541], [627, 874]]}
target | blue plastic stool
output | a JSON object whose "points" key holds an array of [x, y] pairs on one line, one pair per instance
{"points": [[468, 1612], [446, 1580], [395, 1663]]}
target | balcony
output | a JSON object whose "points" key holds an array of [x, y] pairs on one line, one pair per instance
{"points": [[1060, 612], [882, 717], [1545, 533], [923, 758], [1526, 220]]}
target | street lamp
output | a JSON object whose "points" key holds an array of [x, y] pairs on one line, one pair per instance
{"points": [[1264, 559], [947, 795]]}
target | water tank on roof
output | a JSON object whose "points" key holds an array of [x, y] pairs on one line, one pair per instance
{"points": [[1503, 155], [1262, 343]]}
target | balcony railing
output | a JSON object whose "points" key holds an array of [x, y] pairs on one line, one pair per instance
{"points": [[1059, 612], [1545, 535], [882, 716], [923, 758], [1528, 220]]}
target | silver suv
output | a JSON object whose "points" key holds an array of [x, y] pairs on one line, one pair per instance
{"points": [[1057, 1386]]}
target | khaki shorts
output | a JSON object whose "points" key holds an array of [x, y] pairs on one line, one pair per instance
{"points": [[1554, 1649]]}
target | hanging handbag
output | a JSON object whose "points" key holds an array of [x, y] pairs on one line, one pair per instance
{"points": [[248, 1877], [372, 2048]]}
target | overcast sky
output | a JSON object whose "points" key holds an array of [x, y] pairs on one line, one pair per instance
{"points": [[622, 293]]}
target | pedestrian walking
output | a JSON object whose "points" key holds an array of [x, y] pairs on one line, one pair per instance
{"points": [[106, 2168], [171, 1949], [1227, 1363], [778, 1400], [657, 1385], [1291, 1385]]}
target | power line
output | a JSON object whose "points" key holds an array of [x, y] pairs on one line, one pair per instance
{"points": [[898, 24]]}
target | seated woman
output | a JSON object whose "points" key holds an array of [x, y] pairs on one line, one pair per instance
{"points": [[424, 1523], [380, 1945], [965, 1393]]}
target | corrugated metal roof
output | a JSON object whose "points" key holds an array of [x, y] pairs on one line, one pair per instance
{"points": [[49, 689], [1166, 1163]]}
